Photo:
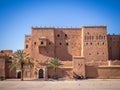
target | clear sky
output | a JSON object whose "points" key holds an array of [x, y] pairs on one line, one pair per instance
{"points": [[18, 16]]}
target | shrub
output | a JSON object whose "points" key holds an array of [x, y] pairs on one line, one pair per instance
{"points": [[2, 78]]}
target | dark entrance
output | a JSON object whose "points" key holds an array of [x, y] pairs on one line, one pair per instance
{"points": [[41, 73], [19, 74]]}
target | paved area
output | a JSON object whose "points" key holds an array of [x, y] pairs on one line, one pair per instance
{"points": [[89, 84]]}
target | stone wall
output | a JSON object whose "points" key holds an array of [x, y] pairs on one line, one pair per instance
{"points": [[95, 46]]}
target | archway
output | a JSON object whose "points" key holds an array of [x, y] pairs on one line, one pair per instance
{"points": [[41, 73], [19, 74]]}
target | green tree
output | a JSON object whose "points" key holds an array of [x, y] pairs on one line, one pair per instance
{"points": [[54, 63], [19, 60]]}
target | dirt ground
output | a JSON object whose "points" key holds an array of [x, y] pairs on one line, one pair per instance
{"points": [[87, 84]]}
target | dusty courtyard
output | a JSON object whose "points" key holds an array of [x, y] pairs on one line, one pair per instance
{"points": [[89, 84]]}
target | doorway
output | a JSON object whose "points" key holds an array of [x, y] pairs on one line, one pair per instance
{"points": [[19, 74], [41, 73]]}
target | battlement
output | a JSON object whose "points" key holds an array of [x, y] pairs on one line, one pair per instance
{"points": [[27, 35], [54, 27], [94, 26]]}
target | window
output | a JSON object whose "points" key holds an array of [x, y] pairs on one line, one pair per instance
{"points": [[2, 52], [60, 43], [101, 37], [49, 43], [89, 53], [34, 43], [88, 33], [85, 37], [10, 57], [92, 37], [65, 35], [103, 43], [90, 43], [58, 35], [42, 42], [97, 53], [98, 43], [104, 37], [86, 43], [67, 44], [96, 37], [26, 46]]}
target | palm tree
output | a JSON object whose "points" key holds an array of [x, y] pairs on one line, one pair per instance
{"points": [[54, 63], [19, 60]]}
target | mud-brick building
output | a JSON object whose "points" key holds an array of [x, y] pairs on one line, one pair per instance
{"points": [[5, 61], [85, 51]]}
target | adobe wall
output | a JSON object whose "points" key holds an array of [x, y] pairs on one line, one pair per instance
{"points": [[2, 66], [5, 62], [47, 43], [91, 42], [9, 73], [63, 73], [109, 71], [114, 47], [91, 71], [95, 46], [68, 43], [79, 66], [27, 44], [42, 47]]}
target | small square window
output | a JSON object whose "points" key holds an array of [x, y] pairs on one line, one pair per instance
{"points": [[34, 43], [26, 46], [58, 35], [60, 43], [49, 43], [65, 35], [42, 42], [67, 44]]}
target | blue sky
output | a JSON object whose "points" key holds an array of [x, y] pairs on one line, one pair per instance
{"points": [[18, 16]]}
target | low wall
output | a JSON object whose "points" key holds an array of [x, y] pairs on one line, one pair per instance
{"points": [[103, 72], [91, 72], [66, 73], [109, 71]]}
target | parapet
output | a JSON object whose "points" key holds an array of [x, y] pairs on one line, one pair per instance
{"points": [[94, 26]]}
